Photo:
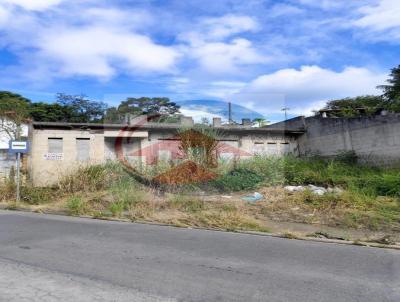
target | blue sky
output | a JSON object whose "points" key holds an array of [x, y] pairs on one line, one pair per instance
{"points": [[263, 55]]}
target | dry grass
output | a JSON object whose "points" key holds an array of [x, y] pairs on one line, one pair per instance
{"points": [[7, 191], [346, 209], [106, 191]]}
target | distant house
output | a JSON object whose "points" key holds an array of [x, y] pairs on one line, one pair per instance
{"points": [[7, 160]]}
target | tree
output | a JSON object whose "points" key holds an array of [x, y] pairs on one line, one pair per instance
{"points": [[54, 112], [392, 91], [81, 109], [14, 112], [360, 105], [205, 121], [260, 122], [200, 144], [143, 105]]}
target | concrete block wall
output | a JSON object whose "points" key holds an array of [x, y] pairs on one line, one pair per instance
{"points": [[375, 140], [44, 171]]}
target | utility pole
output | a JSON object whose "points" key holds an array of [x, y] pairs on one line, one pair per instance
{"points": [[18, 147], [285, 109], [18, 197], [230, 112]]}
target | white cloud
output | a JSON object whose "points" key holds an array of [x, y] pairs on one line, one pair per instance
{"points": [[302, 89], [379, 22], [3, 15], [282, 9], [380, 17], [99, 42], [34, 5], [115, 17], [98, 51], [220, 57], [217, 45], [324, 4], [228, 25]]}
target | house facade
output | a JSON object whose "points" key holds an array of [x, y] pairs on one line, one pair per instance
{"points": [[59, 148]]}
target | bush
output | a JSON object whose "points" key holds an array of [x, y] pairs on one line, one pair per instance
{"points": [[36, 195], [237, 180], [76, 205], [116, 208]]}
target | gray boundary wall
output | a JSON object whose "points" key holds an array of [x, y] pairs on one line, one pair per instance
{"points": [[375, 139], [6, 162]]}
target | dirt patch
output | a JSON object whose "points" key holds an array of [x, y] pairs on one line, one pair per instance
{"points": [[185, 173]]}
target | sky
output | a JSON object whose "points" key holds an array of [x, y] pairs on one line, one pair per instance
{"points": [[261, 54]]}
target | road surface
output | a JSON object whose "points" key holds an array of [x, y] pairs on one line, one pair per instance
{"points": [[55, 258]]}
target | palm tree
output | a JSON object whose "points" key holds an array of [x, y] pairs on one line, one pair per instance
{"points": [[260, 121]]}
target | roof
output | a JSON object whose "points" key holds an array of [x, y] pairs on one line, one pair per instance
{"points": [[160, 126]]}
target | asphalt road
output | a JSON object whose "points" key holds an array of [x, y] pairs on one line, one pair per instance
{"points": [[54, 258]]}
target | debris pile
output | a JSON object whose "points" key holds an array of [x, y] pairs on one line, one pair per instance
{"points": [[314, 189], [185, 173]]}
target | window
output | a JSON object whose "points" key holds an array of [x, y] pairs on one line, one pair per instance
{"points": [[83, 149], [285, 147], [272, 148], [55, 145], [258, 148]]}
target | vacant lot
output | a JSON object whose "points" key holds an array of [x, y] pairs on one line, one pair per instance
{"points": [[360, 197]]}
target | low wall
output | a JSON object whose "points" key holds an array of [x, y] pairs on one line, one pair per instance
{"points": [[375, 140], [6, 162]]}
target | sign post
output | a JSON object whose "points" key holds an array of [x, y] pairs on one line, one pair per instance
{"points": [[18, 147]]}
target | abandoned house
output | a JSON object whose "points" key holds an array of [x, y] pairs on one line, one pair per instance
{"points": [[57, 148]]}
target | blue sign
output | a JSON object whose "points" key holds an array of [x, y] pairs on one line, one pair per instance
{"points": [[18, 147]]}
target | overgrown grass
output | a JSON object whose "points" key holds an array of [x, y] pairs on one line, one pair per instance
{"points": [[268, 170], [76, 205], [30, 195], [92, 178], [7, 190], [185, 203], [370, 198]]}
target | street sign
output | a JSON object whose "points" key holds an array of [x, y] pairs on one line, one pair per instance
{"points": [[18, 147]]}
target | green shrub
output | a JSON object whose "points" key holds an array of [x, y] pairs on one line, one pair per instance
{"points": [[116, 208], [271, 168], [237, 180], [76, 205], [36, 195]]}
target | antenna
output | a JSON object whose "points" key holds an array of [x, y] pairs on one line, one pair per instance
{"points": [[285, 109]]}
